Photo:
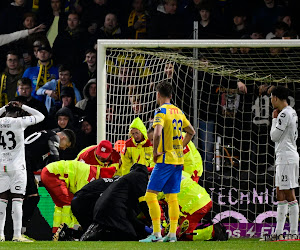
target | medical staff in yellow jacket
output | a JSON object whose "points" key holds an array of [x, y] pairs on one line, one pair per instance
{"points": [[63, 179], [137, 149]]}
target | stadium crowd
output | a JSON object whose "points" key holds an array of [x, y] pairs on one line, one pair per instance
{"points": [[52, 68]]}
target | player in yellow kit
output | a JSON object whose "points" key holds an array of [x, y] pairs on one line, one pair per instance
{"points": [[169, 122]]}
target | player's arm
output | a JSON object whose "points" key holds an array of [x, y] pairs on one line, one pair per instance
{"points": [[53, 144], [2, 110], [156, 139], [279, 124], [190, 132], [37, 115]]}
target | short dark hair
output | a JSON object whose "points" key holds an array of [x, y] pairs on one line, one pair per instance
{"points": [[71, 136], [25, 81], [165, 89], [280, 92], [90, 50], [12, 52], [65, 68]]}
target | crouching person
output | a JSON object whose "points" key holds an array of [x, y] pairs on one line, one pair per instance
{"points": [[116, 210], [63, 179]]}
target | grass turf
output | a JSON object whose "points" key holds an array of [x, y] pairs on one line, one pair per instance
{"points": [[231, 244]]}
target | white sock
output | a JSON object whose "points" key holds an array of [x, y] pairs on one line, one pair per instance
{"points": [[157, 234], [282, 209], [3, 205], [16, 214], [294, 216]]}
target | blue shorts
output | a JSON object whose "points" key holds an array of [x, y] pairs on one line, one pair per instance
{"points": [[165, 178]]}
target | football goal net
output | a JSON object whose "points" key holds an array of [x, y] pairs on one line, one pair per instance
{"points": [[223, 87]]}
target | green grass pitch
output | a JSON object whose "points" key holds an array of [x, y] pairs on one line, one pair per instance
{"points": [[232, 244]]}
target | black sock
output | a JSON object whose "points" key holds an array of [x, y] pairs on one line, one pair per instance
{"points": [[29, 205]]}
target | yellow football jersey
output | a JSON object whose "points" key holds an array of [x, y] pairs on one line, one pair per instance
{"points": [[173, 120]]}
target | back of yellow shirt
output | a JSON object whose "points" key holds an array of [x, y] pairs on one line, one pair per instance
{"points": [[173, 120]]}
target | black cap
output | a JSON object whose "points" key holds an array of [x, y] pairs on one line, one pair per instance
{"points": [[45, 47]]}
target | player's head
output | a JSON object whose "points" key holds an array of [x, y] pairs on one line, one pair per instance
{"points": [[103, 150], [13, 110], [163, 91], [67, 139], [279, 94], [150, 133]]}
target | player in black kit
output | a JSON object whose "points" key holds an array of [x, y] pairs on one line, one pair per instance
{"points": [[41, 148]]}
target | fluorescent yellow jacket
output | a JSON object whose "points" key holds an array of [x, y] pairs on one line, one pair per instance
{"points": [[137, 152], [75, 174], [192, 159], [192, 196]]}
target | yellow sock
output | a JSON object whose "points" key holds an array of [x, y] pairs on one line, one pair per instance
{"points": [[173, 211], [154, 211]]}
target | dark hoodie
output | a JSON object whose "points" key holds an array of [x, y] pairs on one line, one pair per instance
{"points": [[88, 104]]}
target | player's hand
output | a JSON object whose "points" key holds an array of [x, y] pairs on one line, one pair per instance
{"points": [[16, 104], [275, 113], [156, 155]]}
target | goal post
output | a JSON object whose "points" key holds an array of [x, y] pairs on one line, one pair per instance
{"points": [[103, 45], [232, 127]]}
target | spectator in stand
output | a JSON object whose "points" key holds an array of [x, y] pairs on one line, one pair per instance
{"points": [[137, 21], [9, 78], [240, 27], [86, 71], [24, 91], [11, 18], [55, 21], [94, 15], [43, 72], [53, 89], [292, 33], [64, 119], [280, 29], [71, 42], [87, 135], [209, 28], [166, 23], [190, 14], [89, 103], [109, 30], [267, 16], [255, 32], [67, 99]]}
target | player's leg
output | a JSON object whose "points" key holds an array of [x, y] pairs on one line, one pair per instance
{"points": [[171, 189], [17, 189], [4, 194], [292, 175], [293, 210], [3, 204], [31, 198], [282, 206], [156, 182]]}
